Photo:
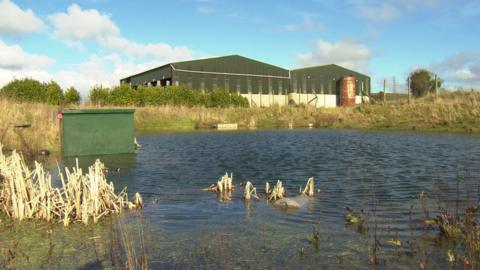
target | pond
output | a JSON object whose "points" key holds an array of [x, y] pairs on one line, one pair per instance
{"points": [[381, 173]]}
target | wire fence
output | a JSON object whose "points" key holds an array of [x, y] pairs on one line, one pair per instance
{"points": [[394, 91]]}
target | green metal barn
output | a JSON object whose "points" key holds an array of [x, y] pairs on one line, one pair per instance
{"points": [[233, 73], [325, 80], [246, 76]]}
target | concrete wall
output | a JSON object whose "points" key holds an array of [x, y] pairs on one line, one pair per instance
{"points": [[316, 100]]}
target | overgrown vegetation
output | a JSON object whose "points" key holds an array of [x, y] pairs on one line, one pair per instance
{"points": [[423, 82], [123, 95], [30, 90]]}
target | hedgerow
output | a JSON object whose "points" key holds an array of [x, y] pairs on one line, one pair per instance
{"points": [[123, 95]]}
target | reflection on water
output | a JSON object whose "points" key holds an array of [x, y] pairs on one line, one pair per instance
{"points": [[191, 228]]}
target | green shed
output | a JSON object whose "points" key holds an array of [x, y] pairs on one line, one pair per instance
{"points": [[97, 132]]}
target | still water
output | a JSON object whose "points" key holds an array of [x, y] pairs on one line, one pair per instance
{"points": [[189, 228]]}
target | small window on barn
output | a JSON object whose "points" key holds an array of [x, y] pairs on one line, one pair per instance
{"points": [[270, 86], [227, 85], [238, 86], [214, 83], [202, 85]]}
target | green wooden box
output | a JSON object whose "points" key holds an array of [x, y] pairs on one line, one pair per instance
{"points": [[97, 132]]}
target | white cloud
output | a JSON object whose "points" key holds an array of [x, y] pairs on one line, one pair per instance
{"points": [[308, 23], [462, 69], [383, 13], [15, 21], [105, 70], [77, 26], [344, 53], [161, 51], [13, 57]]}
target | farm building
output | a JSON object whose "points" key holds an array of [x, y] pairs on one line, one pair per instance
{"points": [[261, 83]]}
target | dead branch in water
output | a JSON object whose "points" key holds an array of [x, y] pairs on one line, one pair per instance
{"points": [[224, 184], [278, 191], [28, 194], [309, 188], [250, 191]]}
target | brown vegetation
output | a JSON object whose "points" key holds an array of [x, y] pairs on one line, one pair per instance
{"points": [[29, 194]]}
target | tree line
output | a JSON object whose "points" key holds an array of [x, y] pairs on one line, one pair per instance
{"points": [[31, 90]]}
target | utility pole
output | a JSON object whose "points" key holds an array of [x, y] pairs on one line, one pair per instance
{"points": [[394, 90]]}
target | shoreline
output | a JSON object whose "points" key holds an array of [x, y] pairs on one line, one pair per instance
{"points": [[455, 112]]}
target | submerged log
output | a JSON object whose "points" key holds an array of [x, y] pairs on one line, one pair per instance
{"points": [[293, 202]]}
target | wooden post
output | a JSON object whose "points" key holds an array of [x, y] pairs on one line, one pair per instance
{"points": [[384, 93], [408, 89], [361, 94]]}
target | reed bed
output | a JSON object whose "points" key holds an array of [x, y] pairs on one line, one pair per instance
{"points": [[29, 194]]}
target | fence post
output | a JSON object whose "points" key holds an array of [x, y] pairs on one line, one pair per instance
{"points": [[408, 89], [384, 93]]}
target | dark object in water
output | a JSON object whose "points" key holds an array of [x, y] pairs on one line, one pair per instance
{"points": [[44, 152]]}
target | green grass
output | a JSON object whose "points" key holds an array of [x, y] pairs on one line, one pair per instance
{"points": [[166, 124]]}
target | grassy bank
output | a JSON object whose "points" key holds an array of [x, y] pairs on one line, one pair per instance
{"points": [[43, 132], [453, 112]]}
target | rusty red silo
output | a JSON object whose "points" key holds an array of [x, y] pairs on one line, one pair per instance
{"points": [[347, 91]]}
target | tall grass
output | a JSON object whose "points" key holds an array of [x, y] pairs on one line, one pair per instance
{"points": [[43, 132]]}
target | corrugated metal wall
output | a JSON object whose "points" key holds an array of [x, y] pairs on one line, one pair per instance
{"points": [[232, 73], [325, 79], [239, 74]]}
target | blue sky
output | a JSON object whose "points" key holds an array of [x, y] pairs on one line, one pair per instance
{"points": [[83, 43]]}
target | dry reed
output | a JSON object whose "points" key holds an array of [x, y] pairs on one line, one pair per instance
{"points": [[29, 194]]}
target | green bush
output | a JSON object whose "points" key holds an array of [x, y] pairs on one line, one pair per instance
{"points": [[31, 90], [99, 95], [54, 93], [25, 90], [422, 82], [123, 95], [72, 96]]}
